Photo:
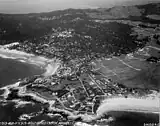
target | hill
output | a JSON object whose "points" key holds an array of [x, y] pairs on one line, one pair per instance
{"points": [[136, 12], [20, 27]]}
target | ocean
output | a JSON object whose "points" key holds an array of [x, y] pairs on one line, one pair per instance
{"points": [[12, 70], [135, 119]]}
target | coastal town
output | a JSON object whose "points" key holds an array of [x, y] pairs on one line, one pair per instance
{"points": [[87, 62], [79, 86]]}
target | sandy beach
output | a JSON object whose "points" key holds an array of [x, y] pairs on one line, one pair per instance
{"points": [[146, 105], [50, 65]]}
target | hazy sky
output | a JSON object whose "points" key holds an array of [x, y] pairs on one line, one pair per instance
{"points": [[28, 6]]}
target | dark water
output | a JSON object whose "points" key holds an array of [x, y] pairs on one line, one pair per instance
{"points": [[12, 70], [9, 113], [135, 119]]}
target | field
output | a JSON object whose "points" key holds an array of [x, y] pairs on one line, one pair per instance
{"points": [[132, 70]]}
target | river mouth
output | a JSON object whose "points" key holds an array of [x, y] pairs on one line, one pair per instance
{"points": [[12, 70]]}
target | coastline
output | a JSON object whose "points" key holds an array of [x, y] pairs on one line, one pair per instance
{"points": [[110, 106], [49, 65], [119, 104], [139, 105]]}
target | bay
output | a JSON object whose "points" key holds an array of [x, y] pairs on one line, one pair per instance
{"points": [[12, 70]]}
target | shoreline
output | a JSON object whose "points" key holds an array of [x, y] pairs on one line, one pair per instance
{"points": [[50, 66], [111, 106], [137, 105], [118, 104]]}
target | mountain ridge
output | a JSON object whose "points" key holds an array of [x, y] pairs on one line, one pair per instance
{"points": [[23, 26], [125, 4], [127, 12]]}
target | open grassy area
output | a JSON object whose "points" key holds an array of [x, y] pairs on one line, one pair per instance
{"points": [[134, 72]]}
